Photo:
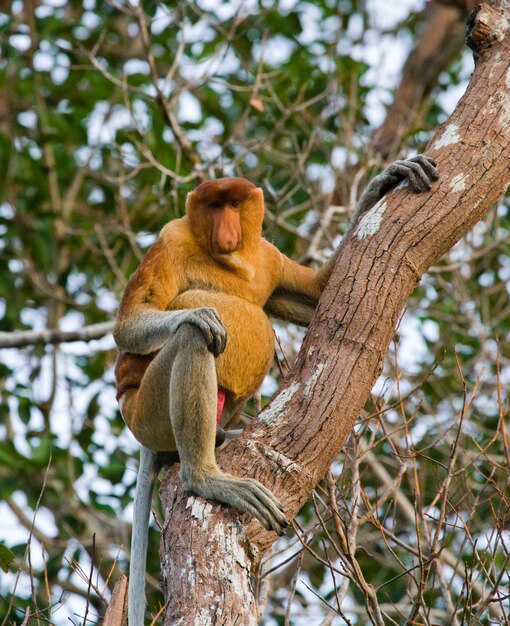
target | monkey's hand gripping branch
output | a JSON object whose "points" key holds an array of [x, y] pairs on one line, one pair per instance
{"points": [[418, 171]]}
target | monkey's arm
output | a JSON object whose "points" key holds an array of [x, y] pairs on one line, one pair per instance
{"points": [[296, 295], [285, 306], [143, 325], [419, 172]]}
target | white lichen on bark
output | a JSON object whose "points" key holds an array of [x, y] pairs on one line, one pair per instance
{"points": [[458, 183], [200, 510], [449, 136], [273, 413], [282, 462], [229, 564], [371, 222], [232, 567], [312, 381]]}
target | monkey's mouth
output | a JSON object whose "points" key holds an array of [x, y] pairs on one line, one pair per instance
{"points": [[227, 251]]}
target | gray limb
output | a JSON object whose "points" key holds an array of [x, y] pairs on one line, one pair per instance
{"points": [[419, 171], [179, 392], [148, 330], [147, 474], [193, 418]]}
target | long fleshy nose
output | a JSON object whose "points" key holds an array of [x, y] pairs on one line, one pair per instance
{"points": [[227, 231]]}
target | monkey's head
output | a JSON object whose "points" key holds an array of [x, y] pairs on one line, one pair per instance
{"points": [[225, 214]]}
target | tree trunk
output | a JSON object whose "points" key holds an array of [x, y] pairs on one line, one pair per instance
{"points": [[208, 551]]}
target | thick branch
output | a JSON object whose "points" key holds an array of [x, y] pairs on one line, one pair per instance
{"points": [[296, 437]]}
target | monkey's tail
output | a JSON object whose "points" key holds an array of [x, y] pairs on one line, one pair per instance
{"points": [[147, 474]]}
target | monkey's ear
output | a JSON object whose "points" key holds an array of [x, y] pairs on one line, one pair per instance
{"points": [[254, 217], [190, 197], [257, 194]]}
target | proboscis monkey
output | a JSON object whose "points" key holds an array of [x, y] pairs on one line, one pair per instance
{"points": [[195, 340]]}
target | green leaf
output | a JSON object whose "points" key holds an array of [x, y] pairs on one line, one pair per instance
{"points": [[6, 557]]}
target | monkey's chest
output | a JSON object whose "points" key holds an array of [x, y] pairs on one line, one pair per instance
{"points": [[250, 339]]}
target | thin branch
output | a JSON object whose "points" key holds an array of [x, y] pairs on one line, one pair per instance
{"points": [[21, 339], [171, 120]]}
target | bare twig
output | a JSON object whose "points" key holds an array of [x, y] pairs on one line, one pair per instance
{"points": [[25, 338]]}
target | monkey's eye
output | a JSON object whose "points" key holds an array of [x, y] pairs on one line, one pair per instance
{"points": [[215, 205], [234, 203]]}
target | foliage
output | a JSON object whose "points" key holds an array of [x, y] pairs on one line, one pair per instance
{"points": [[109, 114]]}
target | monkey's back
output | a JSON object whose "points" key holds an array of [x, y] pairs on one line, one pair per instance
{"points": [[250, 339]]}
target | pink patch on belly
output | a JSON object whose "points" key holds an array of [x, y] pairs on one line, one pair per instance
{"points": [[220, 403]]}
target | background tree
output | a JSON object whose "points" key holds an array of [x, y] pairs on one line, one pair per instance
{"points": [[109, 114]]}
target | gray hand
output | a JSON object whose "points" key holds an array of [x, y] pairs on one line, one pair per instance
{"points": [[211, 326], [419, 171]]}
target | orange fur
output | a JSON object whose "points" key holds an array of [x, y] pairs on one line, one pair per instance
{"points": [[185, 270]]}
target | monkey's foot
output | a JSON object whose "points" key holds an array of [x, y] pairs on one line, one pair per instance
{"points": [[245, 494]]}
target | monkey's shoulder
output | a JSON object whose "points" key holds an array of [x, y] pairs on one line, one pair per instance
{"points": [[176, 235]]}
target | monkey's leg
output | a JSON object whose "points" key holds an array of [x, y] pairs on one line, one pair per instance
{"points": [[192, 395], [147, 473]]}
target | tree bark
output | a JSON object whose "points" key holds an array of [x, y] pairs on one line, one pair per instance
{"points": [[116, 612], [208, 551]]}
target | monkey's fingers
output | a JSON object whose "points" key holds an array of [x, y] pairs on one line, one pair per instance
{"points": [[412, 172], [266, 507], [212, 328], [218, 330], [428, 165]]}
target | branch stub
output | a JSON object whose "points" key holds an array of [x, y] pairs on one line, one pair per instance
{"points": [[484, 27]]}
